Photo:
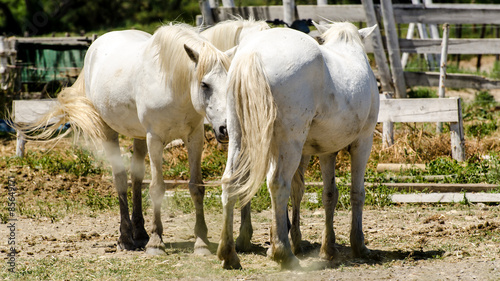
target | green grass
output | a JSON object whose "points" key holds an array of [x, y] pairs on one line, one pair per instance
{"points": [[76, 161]]}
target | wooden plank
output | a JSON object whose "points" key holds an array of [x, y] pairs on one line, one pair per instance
{"points": [[455, 46], [73, 41], [418, 110], [438, 187], [446, 198], [453, 80], [29, 111], [354, 13], [452, 14], [375, 44], [393, 49], [396, 167]]}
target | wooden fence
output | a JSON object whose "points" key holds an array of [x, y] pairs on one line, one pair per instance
{"points": [[432, 14]]}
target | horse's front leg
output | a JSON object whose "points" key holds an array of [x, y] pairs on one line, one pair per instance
{"points": [[226, 250], [330, 200], [194, 144], [141, 237], [298, 188], [360, 152], [112, 149], [155, 245]]}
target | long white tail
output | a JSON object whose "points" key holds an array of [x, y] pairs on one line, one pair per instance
{"points": [[73, 107], [256, 111]]}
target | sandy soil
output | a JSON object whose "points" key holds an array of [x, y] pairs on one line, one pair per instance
{"points": [[408, 242]]}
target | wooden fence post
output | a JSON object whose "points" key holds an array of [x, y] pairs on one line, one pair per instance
{"points": [[393, 48], [387, 128], [228, 3], [442, 71], [378, 48], [206, 11], [3, 64], [409, 35], [289, 11], [457, 136]]}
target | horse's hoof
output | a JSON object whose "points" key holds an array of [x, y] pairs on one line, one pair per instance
{"points": [[155, 251], [329, 253], [243, 246], [202, 251], [141, 239], [361, 252], [125, 246], [292, 263], [234, 264]]}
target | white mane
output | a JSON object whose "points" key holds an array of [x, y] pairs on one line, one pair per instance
{"points": [[226, 34], [342, 32], [168, 44]]}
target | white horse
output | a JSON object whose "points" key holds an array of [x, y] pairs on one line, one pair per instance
{"points": [[288, 98], [226, 35], [153, 89]]}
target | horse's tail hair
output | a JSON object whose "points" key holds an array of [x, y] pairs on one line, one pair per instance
{"points": [[72, 107], [256, 112]]}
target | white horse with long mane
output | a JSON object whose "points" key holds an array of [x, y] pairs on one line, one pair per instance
{"points": [[226, 35], [154, 89], [289, 98]]}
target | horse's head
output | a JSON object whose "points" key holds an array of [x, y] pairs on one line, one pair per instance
{"points": [[208, 88]]}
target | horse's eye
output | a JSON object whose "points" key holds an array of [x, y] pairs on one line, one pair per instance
{"points": [[204, 85]]}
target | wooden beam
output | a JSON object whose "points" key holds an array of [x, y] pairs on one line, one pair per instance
{"points": [[438, 187], [452, 14], [453, 80], [393, 49], [353, 13], [58, 41], [446, 198], [419, 110], [376, 44], [455, 46]]}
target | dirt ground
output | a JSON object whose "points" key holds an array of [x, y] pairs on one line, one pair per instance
{"points": [[407, 242]]}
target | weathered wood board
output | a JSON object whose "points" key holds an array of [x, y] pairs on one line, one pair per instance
{"points": [[431, 79], [446, 198], [419, 110], [455, 46]]}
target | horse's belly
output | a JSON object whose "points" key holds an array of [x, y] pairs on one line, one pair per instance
{"points": [[329, 137], [122, 118]]}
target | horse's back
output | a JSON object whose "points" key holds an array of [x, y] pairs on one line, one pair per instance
{"points": [[111, 69], [292, 62]]}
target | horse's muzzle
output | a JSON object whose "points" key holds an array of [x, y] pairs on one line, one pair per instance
{"points": [[221, 134]]}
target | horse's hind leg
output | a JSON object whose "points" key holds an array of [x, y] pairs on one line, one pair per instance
{"points": [[297, 194], [330, 199], [156, 191], [112, 149], [279, 180], [194, 145], [243, 243], [360, 152], [141, 237]]}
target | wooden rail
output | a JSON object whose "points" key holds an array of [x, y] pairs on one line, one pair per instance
{"points": [[403, 13], [424, 110]]}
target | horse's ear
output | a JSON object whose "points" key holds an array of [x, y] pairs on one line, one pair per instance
{"points": [[230, 53], [193, 55], [321, 28], [367, 31]]}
